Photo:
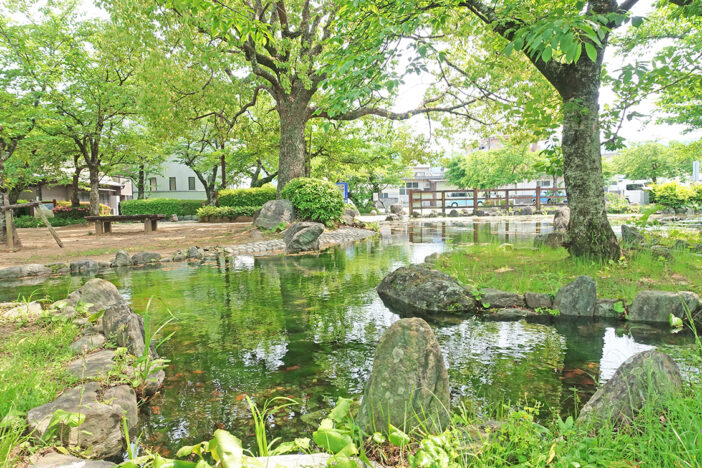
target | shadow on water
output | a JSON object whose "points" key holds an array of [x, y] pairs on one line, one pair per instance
{"points": [[306, 327]]}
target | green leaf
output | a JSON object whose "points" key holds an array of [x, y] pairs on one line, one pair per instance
{"points": [[546, 54], [229, 449], [331, 440], [397, 437], [341, 410], [591, 51]]}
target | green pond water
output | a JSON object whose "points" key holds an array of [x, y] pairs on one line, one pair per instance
{"points": [[306, 327]]}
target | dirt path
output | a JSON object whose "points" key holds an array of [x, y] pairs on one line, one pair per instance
{"points": [[80, 241]]}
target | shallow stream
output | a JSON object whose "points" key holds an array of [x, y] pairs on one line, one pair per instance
{"points": [[306, 327]]}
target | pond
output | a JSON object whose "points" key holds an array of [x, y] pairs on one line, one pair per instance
{"points": [[306, 327]]}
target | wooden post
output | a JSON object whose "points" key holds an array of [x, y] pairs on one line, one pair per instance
{"points": [[507, 199], [538, 198], [8, 222], [49, 226], [475, 200], [443, 203]]}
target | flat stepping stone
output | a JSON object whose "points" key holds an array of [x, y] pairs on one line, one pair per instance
{"points": [[59, 460], [88, 343], [93, 365], [31, 310]]}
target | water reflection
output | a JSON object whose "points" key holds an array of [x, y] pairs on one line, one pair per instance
{"points": [[306, 327]]}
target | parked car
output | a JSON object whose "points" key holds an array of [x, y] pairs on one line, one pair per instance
{"points": [[463, 199], [552, 197]]}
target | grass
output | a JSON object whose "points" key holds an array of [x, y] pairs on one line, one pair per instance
{"points": [[523, 268], [32, 360]]}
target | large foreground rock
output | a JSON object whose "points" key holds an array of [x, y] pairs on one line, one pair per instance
{"points": [[302, 237], [59, 460], [124, 327], [100, 434], [94, 365], [561, 219], [578, 298], [643, 376], [656, 306], [416, 289], [98, 292], [273, 213], [409, 383]]}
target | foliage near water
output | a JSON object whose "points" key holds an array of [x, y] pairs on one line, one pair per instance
{"points": [[545, 270], [314, 199]]}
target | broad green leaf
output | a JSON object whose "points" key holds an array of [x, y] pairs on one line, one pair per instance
{"points": [[397, 437], [591, 51], [229, 448]]}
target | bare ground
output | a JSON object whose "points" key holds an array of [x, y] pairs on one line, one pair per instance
{"points": [[80, 241]]}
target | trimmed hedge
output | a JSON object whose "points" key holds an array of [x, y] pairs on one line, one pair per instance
{"points": [[32, 222], [247, 197], [315, 199], [230, 212], [164, 206]]}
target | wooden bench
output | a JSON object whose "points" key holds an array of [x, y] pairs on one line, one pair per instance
{"points": [[103, 224]]}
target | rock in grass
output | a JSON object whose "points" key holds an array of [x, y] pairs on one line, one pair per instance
{"points": [[538, 301], [121, 259], [101, 431], [302, 237], [644, 376], [88, 343], [577, 298], [274, 212], [496, 299], [94, 365], [59, 460], [415, 289], [145, 258], [409, 384], [124, 327], [84, 266], [98, 292], [609, 308], [561, 219], [657, 306], [631, 236]]}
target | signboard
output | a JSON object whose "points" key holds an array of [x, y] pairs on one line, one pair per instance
{"points": [[344, 187]]}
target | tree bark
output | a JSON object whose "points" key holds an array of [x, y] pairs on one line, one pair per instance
{"points": [[75, 187], [589, 231], [291, 162], [141, 183], [94, 190]]}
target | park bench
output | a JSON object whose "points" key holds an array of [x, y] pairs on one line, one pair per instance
{"points": [[103, 224]]}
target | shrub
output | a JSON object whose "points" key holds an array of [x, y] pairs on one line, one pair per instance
{"points": [[32, 222], [314, 199], [64, 209], [247, 197], [672, 194], [230, 212], [616, 203], [164, 206]]}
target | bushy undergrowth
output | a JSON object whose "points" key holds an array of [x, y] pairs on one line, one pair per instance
{"points": [[164, 206], [315, 199], [616, 203], [675, 195], [229, 212], [247, 197], [32, 222]]}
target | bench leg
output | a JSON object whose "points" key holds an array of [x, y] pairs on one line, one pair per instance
{"points": [[154, 224], [147, 225], [99, 228], [107, 226]]}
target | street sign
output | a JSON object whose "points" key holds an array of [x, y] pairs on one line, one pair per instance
{"points": [[344, 187]]}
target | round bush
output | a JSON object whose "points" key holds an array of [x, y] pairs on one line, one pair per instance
{"points": [[314, 199]]}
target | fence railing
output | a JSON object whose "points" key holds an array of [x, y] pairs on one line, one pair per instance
{"points": [[477, 198]]}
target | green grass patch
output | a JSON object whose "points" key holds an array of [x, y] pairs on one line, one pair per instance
{"points": [[524, 268]]}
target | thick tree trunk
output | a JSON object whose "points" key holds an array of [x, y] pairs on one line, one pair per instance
{"points": [[94, 191], [589, 231], [291, 162], [141, 183]]}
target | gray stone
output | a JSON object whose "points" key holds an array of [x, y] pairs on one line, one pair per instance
{"points": [[28, 311], [631, 236], [607, 308], [100, 432], [393, 217], [84, 266], [144, 258], [88, 343], [124, 327], [302, 237], [373, 213], [554, 239], [527, 210], [273, 213], [409, 383], [415, 289], [396, 209], [432, 258], [479, 212], [349, 216], [494, 298], [656, 306], [59, 268], [22, 271], [661, 251], [93, 365], [59, 460], [681, 245], [538, 301], [173, 218], [508, 314], [102, 266], [180, 256], [98, 292], [153, 383], [577, 298], [121, 259], [454, 213], [642, 377], [195, 253], [561, 219]]}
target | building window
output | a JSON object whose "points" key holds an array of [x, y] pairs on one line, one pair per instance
{"points": [[545, 183], [191, 183], [172, 184], [384, 195], [152, 184]]}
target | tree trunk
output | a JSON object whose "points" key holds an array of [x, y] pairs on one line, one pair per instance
{"points": [[94, 191], [291, 162], [141, 183], [589, 232]]}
